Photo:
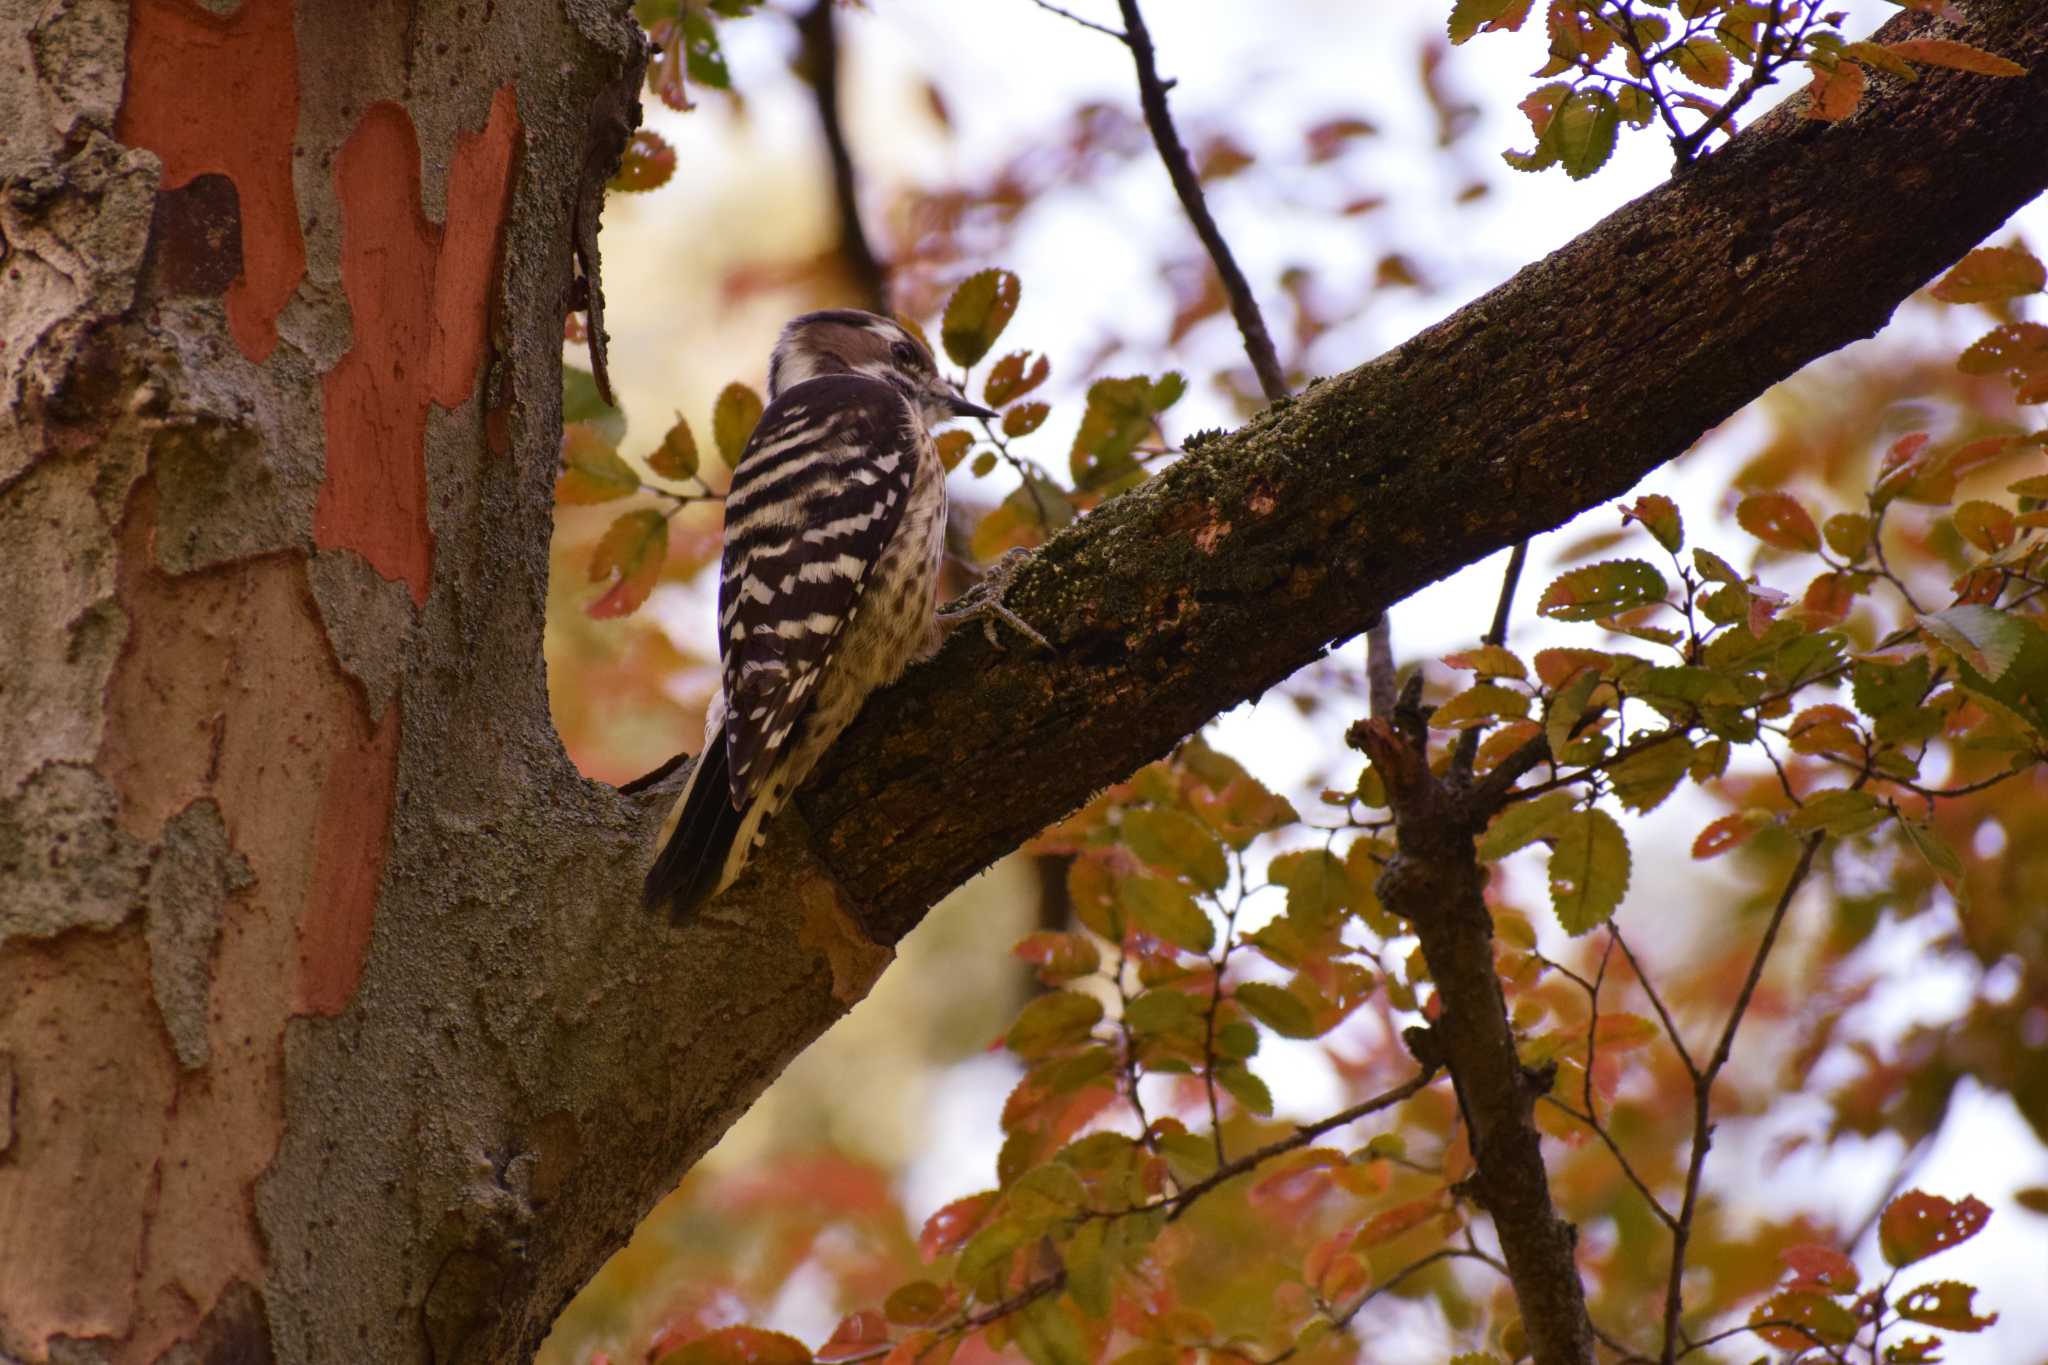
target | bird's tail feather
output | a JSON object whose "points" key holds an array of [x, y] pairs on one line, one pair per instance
{"points": [[695, 863]]}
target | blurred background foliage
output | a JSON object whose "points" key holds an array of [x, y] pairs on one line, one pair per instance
{"points": [[808, 155]]}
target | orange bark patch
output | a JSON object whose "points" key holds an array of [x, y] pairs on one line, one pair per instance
{"points": [[220, 96], [228, 689], [419, 299]]}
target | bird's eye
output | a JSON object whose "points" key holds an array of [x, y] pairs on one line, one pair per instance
{"points": [[904, 354]]}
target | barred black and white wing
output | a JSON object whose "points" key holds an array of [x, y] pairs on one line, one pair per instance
{"points": [[819, 493], [816, 498]]}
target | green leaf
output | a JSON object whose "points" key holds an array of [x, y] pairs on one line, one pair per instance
{"points": [[703, 59], [581, 403], [1840, 812], [592, 471], [1053, 1021], [1848, 535], [1179, 843], [1468, 15], [1276, 1008], [977, 313], [1583, 131], [1059, 957], [1604, 589], [1817, 1316], [1643, 779], [1566, 709], [1318, 887], [1244, 1087], [1917, 1225], [1988, 639], [1120, 413], [1704, 62], [1589, 870], [1938, 855], [1522, 823], [1658, 515], [1166, 911], [676, 456], [1159, 1010], [633, 548], [1490, 661], [992, 1247], [1881, 689], [1480, 704], [733, 418], [915, 1304]]}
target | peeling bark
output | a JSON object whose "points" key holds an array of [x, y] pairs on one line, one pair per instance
{"points": [[323, 986]]}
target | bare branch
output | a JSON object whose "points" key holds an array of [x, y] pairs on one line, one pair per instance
{"points": [[818, 29], [1050, 8]]}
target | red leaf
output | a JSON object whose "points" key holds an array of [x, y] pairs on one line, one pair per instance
{"points": [[856, 1335], [1947, 1304], [739, 1346], [1385, 1227], [647, 164], [1778, 519], [1916, 1225], [1724, 834], [948, 1229], [1822, 1268], [634, 548]]}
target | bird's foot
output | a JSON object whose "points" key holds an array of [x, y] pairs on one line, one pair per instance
{"points": [[984, 602]]}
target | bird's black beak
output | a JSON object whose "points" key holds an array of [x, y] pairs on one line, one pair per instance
{"points": [[962, 408]]}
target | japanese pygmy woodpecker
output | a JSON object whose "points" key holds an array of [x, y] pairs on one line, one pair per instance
{"points": [[834, 525]]}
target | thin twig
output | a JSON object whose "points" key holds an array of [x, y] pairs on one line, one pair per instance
{"points": [[1496, 635], [1180, 169], [1703, 1088], [1117, 34]]}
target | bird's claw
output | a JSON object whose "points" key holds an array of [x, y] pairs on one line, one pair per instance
{"points": [[984, 602]]}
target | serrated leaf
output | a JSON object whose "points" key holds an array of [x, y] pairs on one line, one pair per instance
{"points": [[1318, 886], [1179, 843], [1589, 870], [1916, 1225], [1820, 1267], [1056, 1020], [1645, 778], [592, 471], [1160, 1010], [733, 418], [1988, 639], [703, 59], [1605, 589], [1480, 704], [948, 1229], [1489, 661], [633, 548], [1584, 131], [1778, 519], [1834, 93], [1246, 1088], [916, 1303], [1566, 709], [1955, 56], [1703, 61], [1840, 812], [1522, 823], [977, 313], [1658, 515], [1276, 1008], [1166, 911], [1468, 16], [676, 456], [1991, 273]]}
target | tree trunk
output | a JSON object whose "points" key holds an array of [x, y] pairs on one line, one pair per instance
{"points": [[330, 1029]]}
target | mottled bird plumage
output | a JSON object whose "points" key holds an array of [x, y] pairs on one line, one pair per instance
{"points": [[834, 526]]}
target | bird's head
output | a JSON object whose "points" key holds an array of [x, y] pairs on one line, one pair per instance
{"points": [[848, 341]]}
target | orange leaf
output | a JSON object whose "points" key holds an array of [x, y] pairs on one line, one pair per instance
{"points": [[856, 1335], [1724, 834], [1991, 273], [1834, 95], [1956, 56], [739, 1346], [633, 547], [949, 1228], [1822, 1268], [1385, 1227]]}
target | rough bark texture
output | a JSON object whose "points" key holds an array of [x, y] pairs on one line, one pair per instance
{"points": [[329, 1030]]}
